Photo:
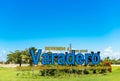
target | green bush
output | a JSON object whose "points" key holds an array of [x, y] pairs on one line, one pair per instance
{"points": [[86, 71], [103, 70], [48, 72], [94, 71]]}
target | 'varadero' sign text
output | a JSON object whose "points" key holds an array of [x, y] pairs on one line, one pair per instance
{"points": [[65, 58]]}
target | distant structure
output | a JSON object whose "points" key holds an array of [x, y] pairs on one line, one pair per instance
{"points": [[70, 47]]}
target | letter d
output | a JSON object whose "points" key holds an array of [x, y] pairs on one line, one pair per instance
{"points": [[71, 60]]}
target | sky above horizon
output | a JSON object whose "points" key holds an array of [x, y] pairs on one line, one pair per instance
{"points": [[86, 24]]}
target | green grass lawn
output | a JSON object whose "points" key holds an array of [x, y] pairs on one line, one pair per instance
{"points": [[10, 74]]}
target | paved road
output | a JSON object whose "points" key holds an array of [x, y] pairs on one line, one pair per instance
{"points": [[116, 65], [12, 65]]}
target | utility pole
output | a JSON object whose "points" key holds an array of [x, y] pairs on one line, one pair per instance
{"points": [[70, 47]]}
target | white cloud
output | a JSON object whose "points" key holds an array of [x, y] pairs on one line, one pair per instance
{"points": [[3, 55], [108, 50], [111, 53], [4, 51]]}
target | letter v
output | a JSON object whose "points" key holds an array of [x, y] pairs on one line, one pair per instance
{"points": [[35, 58]]}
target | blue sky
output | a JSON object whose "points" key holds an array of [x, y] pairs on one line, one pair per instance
{"points": [[87, 24]]}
